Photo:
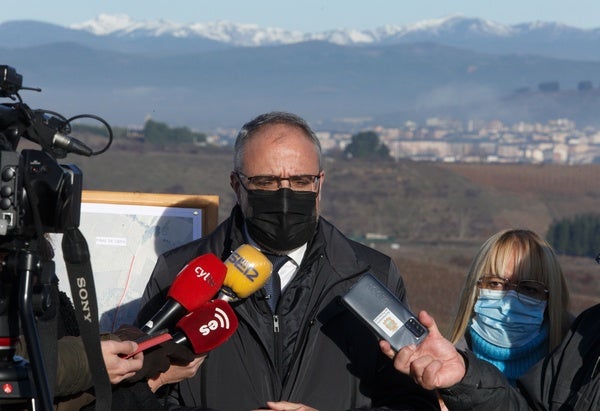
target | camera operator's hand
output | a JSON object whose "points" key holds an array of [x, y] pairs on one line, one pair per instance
{"points": [[159, 358], [117, 367], [176, 373], [129, 333]]}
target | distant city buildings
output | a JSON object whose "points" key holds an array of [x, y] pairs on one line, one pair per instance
{"points": [[449, 140]]}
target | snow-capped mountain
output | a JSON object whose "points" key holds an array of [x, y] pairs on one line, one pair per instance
{"points": [[122, 33], [212, 74], [254, 35], [222, 31]]}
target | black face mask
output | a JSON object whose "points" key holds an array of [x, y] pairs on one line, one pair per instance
{"points": [[281, 220]]}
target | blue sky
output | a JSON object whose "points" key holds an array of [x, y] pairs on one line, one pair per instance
{"points": [[307, 15]]}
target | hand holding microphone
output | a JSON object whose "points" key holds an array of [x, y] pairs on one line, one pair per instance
{"points": [[195, 322], [195, 284], [196, 333], [159, 351]]}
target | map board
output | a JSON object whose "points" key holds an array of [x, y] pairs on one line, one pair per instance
{"points": [[126, 232]]}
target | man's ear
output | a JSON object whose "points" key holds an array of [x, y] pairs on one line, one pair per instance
{"points": [[321, 180], [234, 182]]}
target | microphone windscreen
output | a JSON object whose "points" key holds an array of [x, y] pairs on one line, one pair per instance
{"points": [[247, 271], [208, 327], [198, 281]]}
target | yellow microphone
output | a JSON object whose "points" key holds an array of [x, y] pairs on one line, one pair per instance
{"points": [[247, 272]]}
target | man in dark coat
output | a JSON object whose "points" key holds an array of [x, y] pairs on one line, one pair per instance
{"points": [[308, 353]]}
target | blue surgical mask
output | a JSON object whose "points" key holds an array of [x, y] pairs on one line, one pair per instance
{"points": [[507, 319]]}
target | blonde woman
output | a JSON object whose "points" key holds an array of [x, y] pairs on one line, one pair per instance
{"points": [[514, 306]]}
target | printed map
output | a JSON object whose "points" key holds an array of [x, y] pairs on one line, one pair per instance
{"points": [[125, 242]]}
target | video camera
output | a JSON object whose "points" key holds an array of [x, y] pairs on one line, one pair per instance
{"points": [[37, 195]]}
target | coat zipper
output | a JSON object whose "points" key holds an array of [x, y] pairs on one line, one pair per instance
{"points": [[311, 320], [277, 354]]}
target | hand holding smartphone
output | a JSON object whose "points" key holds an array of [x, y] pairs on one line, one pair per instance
{"points": [[384, 313]]}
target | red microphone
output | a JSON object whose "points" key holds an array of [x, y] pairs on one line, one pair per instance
{"points": [[207, 327], [194, 285]]}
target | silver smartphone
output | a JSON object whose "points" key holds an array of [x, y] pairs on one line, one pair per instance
{"points": [[384, 313]]}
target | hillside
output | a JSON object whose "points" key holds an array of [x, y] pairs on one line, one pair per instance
{"points": [[332, 86], [435, 215]]}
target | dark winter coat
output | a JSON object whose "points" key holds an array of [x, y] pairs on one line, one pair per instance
{"points": [[322, 356], [567, 379]]}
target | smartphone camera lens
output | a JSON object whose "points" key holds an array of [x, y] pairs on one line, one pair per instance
{"points": [[415, 327]]}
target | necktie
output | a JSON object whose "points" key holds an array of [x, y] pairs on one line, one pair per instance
{"points": [[273, 284]]}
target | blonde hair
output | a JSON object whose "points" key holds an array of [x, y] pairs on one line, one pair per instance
{"points": [[528, 257]]}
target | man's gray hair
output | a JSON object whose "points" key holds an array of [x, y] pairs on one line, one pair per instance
{"points": [[274, 117]]}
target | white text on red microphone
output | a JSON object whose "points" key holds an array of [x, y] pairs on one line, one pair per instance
{"points": [[205, 275]]}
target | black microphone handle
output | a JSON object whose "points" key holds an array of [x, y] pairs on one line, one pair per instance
{"points": [[165, 318]]}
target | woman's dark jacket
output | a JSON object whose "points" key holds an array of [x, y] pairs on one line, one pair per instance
{"points": [[322, 355], [567, 379]]}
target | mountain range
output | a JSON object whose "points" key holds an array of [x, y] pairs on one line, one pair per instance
{"points": [[218, 75]]}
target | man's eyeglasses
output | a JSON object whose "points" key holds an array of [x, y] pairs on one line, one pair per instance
{"points": [[529, 288], [304, 182]]}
